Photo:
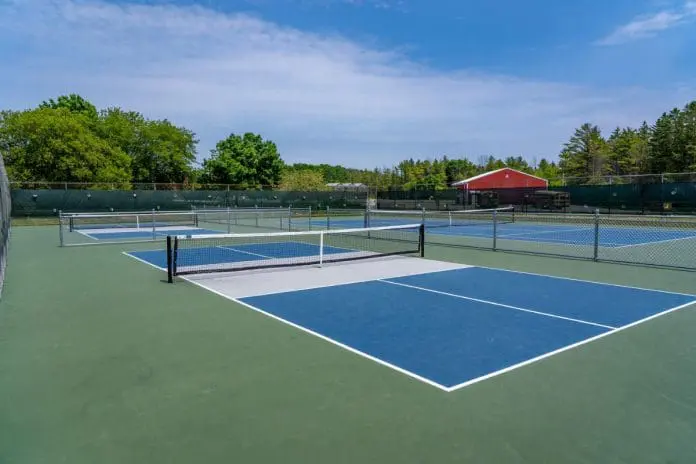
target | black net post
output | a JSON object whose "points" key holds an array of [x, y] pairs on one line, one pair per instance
{"points": [[170, 270], [421, 240]]}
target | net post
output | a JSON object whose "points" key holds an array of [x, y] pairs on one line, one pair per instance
{"points": [[595, 256], [495, 230], [256, 215], [421, 240], [321, 248], [60, 228], [154, 225], [175, 256], [196, 220], [170, 271], [423, 213]]}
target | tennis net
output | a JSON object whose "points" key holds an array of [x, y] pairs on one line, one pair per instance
{"points": [[432, 219], [138, 221], [197, 254]]}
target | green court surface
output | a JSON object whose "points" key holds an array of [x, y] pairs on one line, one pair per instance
{"points": [[103, 362]]}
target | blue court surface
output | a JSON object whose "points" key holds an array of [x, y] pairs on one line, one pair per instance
{"points": [[238, 253], [144, 233], [578, 235], [453, 328]]}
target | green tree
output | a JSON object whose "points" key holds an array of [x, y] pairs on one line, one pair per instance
{"points": [[159, 151], [585, 154], [246, 161], [73, 103], [519, 163], [627, 152], [56, 145], [305, 180]]}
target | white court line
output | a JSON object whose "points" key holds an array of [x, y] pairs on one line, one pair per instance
{"points": [[517, 308], [692, 237], [87, 235], [323, 337], [143, 261], [565, 348], [546, 232], [584, 281], [245, 252]]}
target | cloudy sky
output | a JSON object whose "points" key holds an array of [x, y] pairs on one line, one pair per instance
{"points": [[363, 83]]}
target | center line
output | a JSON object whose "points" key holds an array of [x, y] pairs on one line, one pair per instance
{"points": [[242, 251], [517, 308]]}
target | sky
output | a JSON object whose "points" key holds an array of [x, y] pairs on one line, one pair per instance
{"points": [[362, 83]]}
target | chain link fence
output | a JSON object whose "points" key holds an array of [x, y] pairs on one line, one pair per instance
{"points": [[5, 219], [661, 241]]}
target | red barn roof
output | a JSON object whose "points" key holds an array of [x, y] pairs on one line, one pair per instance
{"points": [[502, 179]]}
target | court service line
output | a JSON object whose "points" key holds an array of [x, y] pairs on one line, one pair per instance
{"points": [[584, 281], [566, 348], [691, 237], [517, 308], [323, 337], [560, 231]]}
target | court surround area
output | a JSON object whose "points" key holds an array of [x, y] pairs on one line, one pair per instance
{"points": [[281, 336]]}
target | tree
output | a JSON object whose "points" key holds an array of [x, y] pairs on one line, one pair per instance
{"points": [[627, 152], [246, 161], [55, 145], [547, 170], [73, 103], [159, 151], [305, 180], [585, 154]]}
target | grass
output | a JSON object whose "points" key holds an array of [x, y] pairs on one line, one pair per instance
{"points": [[100, 361]]}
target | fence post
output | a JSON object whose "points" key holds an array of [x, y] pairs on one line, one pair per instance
{"points": [[596, 235], [60, 228], [328, 218], [154, 225], [309, 215], [495, 230], [229, 220]]}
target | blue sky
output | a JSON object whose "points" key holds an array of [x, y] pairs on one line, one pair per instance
{"points": [[363, 83]]}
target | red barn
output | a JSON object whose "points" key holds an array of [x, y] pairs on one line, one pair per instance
{"points": [[511, 186], [505, 178]]}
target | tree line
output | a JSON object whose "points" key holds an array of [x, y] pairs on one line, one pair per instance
{"points": [[69, 140]]}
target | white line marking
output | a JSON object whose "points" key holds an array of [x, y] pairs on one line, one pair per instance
{"points": [[691, 237], [584, 281], [245, 252], [128, 253], [493, 303], [565, 348], [323, 337], [547, 232]]}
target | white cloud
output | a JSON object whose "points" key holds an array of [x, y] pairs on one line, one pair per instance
{"points": [[320, 98], [648, 26]]}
